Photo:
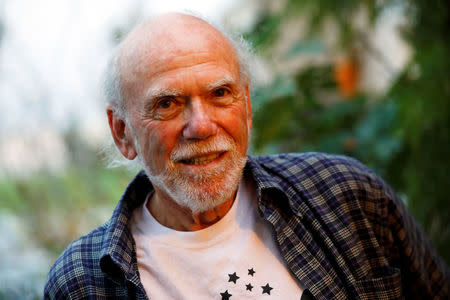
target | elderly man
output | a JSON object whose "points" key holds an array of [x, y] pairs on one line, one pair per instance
{"points": [[204, 221]]}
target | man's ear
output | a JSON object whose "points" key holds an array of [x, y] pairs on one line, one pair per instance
{"points": [[121, 134], [249, 108]]}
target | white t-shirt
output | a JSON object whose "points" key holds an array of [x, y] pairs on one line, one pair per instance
{"points": [[235, 258]]}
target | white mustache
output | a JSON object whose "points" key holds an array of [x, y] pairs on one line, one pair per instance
{"points": [[195, 149]]}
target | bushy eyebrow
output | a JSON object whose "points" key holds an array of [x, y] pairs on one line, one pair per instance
{"points": [[226, 81], [157, 93]]}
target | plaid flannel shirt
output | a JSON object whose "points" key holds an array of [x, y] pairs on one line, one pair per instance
{"points": [[342, 231]]}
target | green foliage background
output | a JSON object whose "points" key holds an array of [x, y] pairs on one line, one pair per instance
{"points": [[402, 134]]}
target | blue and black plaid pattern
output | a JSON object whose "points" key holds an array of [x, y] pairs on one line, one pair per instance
{"points": [[342, 231]]}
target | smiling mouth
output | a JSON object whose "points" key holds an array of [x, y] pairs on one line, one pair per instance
{"points": [[201, 160]]}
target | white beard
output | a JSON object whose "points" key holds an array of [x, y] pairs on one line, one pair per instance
{"points": [[202, 191]]}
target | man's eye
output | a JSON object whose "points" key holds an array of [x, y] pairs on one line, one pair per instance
{"points": [[166, 108], [221, 92], [166, 103]]}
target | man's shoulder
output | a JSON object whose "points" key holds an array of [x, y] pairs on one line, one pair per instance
{"points": [[316, 175], [311, 163], [76, 266]]}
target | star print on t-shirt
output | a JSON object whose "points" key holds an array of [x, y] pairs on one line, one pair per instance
{"points": [[266, 289], [225, 295], [233, 277]]}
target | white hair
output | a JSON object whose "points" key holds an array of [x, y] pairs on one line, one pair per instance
{"points": [[112, 88], [113, 92]]}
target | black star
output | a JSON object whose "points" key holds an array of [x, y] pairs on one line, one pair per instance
{"points": [[266, 289], [233, 277], [251, 271], [249, 287], [225, 295]]}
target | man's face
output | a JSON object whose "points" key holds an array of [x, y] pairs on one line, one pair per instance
{"points": [[190, 118]]}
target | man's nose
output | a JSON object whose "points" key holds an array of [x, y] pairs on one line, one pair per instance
{"points": [[198, 122]]}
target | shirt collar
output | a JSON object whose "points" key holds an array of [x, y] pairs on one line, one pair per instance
{"points": [[271, 185], [118, 257]]}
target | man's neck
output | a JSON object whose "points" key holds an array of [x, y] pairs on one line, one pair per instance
{"points": [[170, 214]]}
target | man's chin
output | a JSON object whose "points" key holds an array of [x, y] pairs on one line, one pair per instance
{"points": [[202, 194], [201, 191]]}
